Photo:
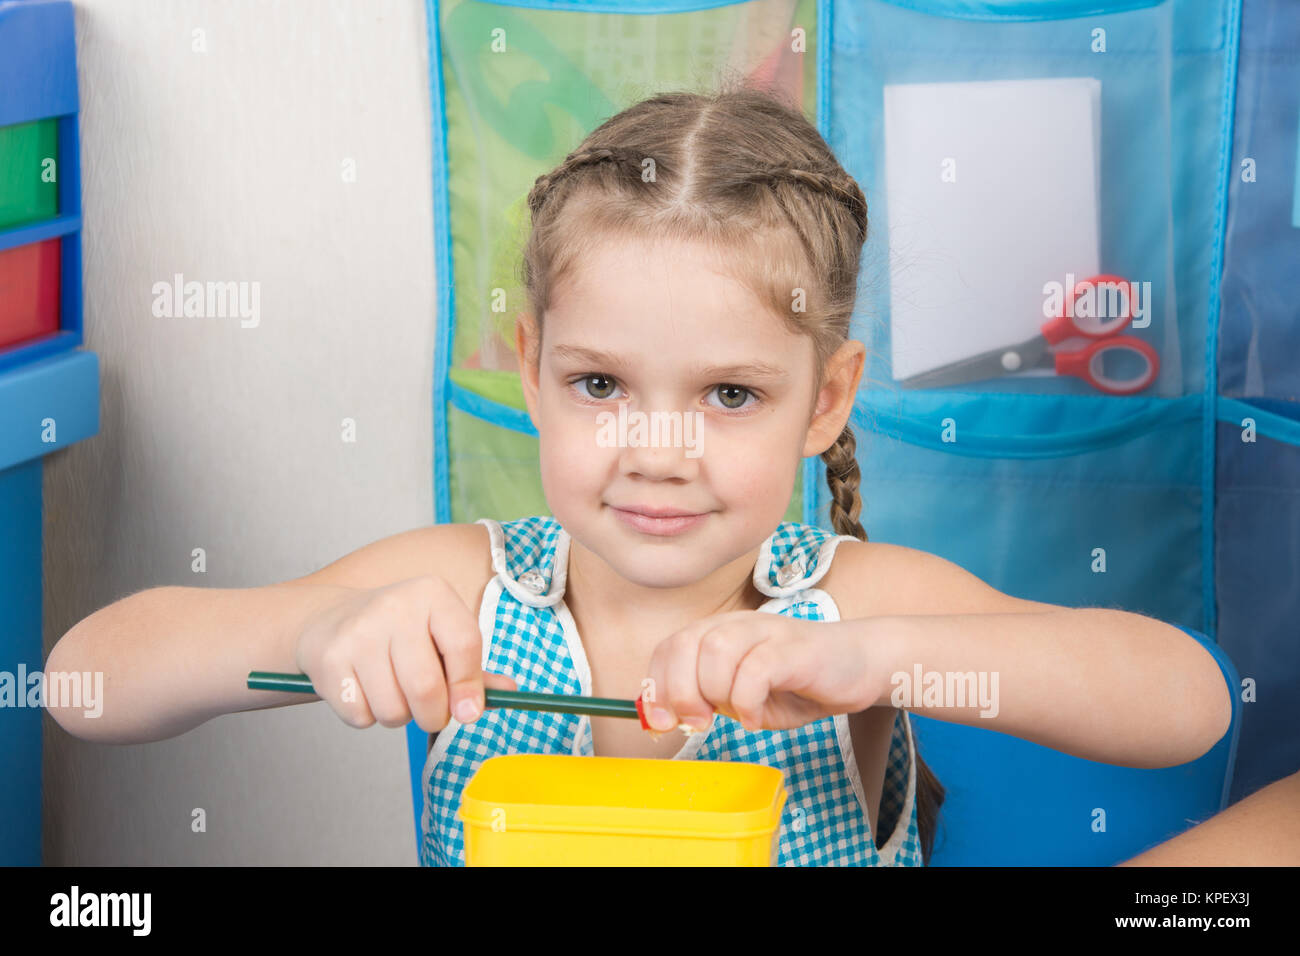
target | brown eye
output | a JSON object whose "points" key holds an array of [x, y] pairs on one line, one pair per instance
{"points": [[732, 396], [599, 386]]}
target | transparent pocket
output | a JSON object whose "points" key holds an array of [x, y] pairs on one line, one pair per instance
{"points": [[1257, 564], [1008, 156], [494, 471], [1257, 507], [1079, 501], [1259, 329]]}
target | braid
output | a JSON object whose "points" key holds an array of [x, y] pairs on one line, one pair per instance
{"points": [[842, 477], [541, 190], [844, 190]]}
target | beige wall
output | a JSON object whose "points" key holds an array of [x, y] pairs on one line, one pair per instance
{"points": [[226, 165]]}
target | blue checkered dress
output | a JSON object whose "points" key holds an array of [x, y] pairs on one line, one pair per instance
{"points": [[529, 634]]}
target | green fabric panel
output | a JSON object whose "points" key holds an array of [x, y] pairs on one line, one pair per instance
{"points": [[494, 471], [523, 87], [502, 387], [795, 511]]}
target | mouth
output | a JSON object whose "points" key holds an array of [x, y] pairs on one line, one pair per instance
{"points": [[659, 521]]}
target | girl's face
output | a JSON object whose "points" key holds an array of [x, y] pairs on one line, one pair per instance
{"points": [[674, 410]]}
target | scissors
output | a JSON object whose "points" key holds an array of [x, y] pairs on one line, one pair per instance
{"points": [[1085, 363]]}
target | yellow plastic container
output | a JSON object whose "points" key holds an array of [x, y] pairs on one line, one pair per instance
{"points": [[561, 810]]}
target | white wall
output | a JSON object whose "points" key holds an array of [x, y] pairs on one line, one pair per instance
{"points": [[226, 165]]}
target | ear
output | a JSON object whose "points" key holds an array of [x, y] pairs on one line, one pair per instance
{"points": [[528, 345], [834, 402]]}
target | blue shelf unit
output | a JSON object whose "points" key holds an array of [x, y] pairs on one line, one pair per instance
{"points": [[49, 399]]}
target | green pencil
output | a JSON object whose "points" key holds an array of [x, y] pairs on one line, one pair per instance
{"points": [[519, 699]]}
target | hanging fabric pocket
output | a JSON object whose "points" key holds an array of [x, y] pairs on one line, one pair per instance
{"points": [[1012, 152], [1071, 500], [1259, 337], [1257, 512], [518, 86], [1257, 553], [1009, 152]]}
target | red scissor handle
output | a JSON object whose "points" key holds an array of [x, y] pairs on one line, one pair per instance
{"points": [[1086, 364], [1064, 325]]}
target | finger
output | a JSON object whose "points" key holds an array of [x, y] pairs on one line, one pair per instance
{"points": [[499, 681], [682, 687], [721, 651], [752, 686], [659, 678], [654, 679], [335, 681], [657, 710], [455, 633], [381, 690], [420, 677], [342, 689]]}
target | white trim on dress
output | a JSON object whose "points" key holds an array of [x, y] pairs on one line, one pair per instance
{"points": [[486, 627], [889, 853], [825, 554]]}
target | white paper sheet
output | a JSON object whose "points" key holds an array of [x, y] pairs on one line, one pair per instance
{"points": [[992, 190]]}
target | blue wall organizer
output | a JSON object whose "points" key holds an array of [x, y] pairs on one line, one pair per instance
{"points": [[1199, 126]]}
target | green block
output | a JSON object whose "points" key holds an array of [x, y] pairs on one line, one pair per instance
{"points": [[29, 188]]}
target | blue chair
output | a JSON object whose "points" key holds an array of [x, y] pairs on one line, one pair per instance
{"points": [[417, 748], [1010, 802]]}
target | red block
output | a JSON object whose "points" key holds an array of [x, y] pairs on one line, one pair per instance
{"points": [[29, 292]]}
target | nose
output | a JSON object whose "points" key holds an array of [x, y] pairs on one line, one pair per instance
{"points": [[665, 448], [658, 464]]}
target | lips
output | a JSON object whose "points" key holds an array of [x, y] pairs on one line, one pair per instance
{"points": [[656, 512], [659, 521]]}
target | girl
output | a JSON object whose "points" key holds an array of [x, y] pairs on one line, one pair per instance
{"points": [[694, 262]]}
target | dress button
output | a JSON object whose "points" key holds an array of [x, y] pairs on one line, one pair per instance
{"points": [[787, 574], [533, 581]]}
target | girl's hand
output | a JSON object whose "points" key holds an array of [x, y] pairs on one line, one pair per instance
{"points": [[390, 654], [767, 671]]}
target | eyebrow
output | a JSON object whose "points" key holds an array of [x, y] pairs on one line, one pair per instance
{"points": [[746, 370]]}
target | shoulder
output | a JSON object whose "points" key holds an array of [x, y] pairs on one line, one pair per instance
{"points": [[875, 579], [458, 553]]}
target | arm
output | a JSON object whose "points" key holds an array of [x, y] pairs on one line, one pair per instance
{"points": [[174, 657], [1099, 683], [1102, 684], [1261, 830]]}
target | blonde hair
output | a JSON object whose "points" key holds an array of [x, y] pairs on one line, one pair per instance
{"points": [[746, 173]]}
